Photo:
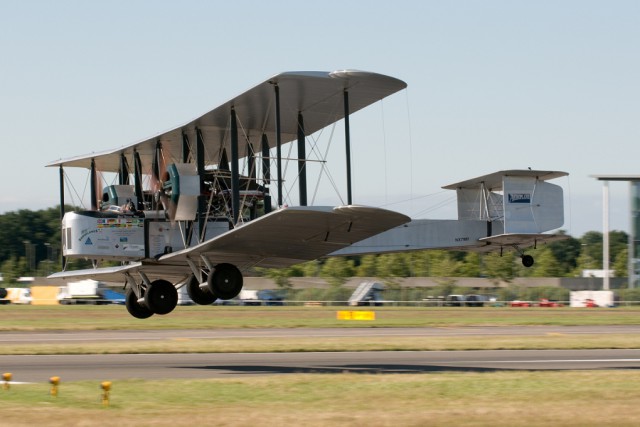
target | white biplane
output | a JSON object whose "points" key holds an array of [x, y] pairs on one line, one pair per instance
{"points": [[183, 215]]}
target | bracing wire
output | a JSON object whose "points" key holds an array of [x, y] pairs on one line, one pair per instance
{"points": [[410, 145], [384, 152]]}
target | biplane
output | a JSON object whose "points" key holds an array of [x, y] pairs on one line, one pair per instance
{"points": [[181, 213]]}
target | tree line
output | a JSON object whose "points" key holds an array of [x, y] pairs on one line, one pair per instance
{"points": [[30, 246]]}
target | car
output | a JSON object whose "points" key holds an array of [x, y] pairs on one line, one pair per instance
{"points": [[454, 301], [270, 297], [475, 300]]}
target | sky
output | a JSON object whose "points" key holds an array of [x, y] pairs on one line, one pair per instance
{"points": [[492, 85]]}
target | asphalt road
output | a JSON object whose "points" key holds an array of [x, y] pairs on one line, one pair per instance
{"points": [[209, 365]]}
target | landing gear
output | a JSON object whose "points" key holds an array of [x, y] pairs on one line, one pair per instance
{"points": [[527, 260], [137, 310], [226, 281], [161, 297], [199, 294]]}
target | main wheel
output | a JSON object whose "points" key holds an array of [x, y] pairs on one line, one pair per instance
{"points": [[201, 296], [134, 308], [226, 281], [527, 260], [161, 297]]}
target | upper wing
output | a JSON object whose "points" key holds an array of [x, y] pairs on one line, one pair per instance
{"points": [[318, 95], [279, 239]]}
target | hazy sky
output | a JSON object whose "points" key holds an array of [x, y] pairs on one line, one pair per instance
{"points": [[492, 85]]}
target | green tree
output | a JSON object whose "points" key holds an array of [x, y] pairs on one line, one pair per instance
{"points": [[592, 246], [421, 263], [471, 266], [368, 266], [11, 269], [620, 265], [546, 265], [337, 270], [392, 265], [566, 252], [500, 267]]}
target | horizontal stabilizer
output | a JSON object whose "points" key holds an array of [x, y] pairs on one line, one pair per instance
{"points": [[494, 181], [520, 240]]}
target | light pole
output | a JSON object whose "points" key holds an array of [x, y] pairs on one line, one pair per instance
{"points": [[634, 232]]}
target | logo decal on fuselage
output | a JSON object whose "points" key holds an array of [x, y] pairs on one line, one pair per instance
{"points": [[519, 197]]}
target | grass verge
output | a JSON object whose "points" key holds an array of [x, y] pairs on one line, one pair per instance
{"points": [[296, 344], [504, 398], [69, 318]]}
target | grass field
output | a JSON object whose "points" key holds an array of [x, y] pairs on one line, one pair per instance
{"points": [[507, 398], [70, 318], [47, 318], [493, 398]]}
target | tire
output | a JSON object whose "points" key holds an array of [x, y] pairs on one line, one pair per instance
{"points": [[527, 260], [134, 308], [161, 297], [199, 295], [226, 281]]}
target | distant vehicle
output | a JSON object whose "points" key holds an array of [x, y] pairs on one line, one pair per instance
{"points": [[88, 292], [544, 302], [18, 295], [470, 300], [475, 300], [454, 301], [270, 297], [590, 303], [262, 297], [518, 303]]}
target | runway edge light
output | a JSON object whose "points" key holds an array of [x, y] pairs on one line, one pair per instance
{"points": [[106, 388], [6, 377], [55, 382]]}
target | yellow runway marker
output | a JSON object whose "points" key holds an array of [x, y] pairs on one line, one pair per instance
{"points": [[356, 315]]}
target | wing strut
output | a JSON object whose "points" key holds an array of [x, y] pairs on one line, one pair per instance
{"points": [[137, 179], [64, 259], [278, 144], [235, 174], [347, 139], [266, 172], [94, 181], [123, 172], [302, 170]]}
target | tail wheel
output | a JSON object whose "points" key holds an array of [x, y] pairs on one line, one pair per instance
{"points": [[137, 310], [527, 260], [226, 281], [161, 297], [199, 295]]}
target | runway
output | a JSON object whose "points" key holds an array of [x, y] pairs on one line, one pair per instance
{"points": [[39, 368], [225, 365]]}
